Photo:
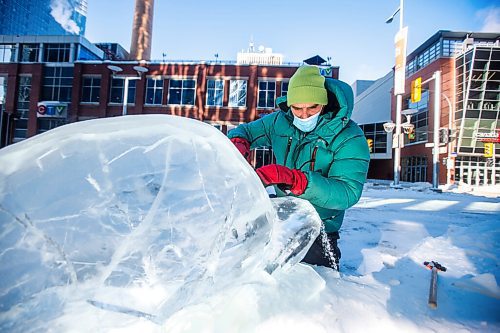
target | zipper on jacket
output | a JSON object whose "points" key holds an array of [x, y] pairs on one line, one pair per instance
{"points": [[287, 149], [313, 158], [344, 119]]}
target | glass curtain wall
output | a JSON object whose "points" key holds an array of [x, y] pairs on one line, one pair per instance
{"points": [[478, 98], [477, 114]]}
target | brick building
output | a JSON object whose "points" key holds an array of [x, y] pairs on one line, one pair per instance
{"points": [[48, 81], [469, 67]]}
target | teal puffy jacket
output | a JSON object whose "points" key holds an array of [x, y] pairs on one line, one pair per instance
{"points": [[334, 156]]}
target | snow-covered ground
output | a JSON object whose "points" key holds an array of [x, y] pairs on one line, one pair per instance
{"points": [[386, 238], [101, 221], [383, 285]]}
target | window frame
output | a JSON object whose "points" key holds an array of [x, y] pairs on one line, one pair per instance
{"points": [[93, 88], [266, 96], [376, 132], [182, 93], [56, 52], [238, 93], [153, 94], [114, 88], [22, 108], [420, 119], [217, 92], [58, 83]]}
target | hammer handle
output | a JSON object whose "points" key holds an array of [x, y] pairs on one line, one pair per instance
{"points": [[433, 289]]}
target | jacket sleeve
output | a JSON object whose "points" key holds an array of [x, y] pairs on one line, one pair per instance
{"points": [[257, 132], [346, 177]]}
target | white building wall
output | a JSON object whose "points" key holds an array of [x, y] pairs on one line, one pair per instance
{"points": [[374, 104]]}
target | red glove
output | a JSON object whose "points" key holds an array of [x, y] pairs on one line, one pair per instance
{"points": [[243, 146], [275, 174]]}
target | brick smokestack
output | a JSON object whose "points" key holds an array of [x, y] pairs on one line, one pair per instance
{"points": [[142, 31]]}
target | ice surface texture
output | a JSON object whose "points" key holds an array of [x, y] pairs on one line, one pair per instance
{"points": [[97, 214]]}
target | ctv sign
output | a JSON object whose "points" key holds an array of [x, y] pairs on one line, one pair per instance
{"points": [[326, 71], [52, 109]]}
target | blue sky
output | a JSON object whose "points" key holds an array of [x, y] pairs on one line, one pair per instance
{"points": [[352, 33]]}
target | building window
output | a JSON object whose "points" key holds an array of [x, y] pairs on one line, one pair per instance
{"points": [[267, 94], [23, 108], [263, 156], [29, 52], [284, 88], [451, 47], [414, 169], [3, 114], [91, 87], [182, 92], [215, 92], [154, 91], [476, 170], [56, 52], [423, 59], [57, 84], [117, 89], [3, 92], [237, 93], [45, 124], [7, 53], [376, 133], [420, 120], [86, 54]]}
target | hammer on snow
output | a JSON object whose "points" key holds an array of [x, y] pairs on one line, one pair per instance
{"points": [[435, 267]]}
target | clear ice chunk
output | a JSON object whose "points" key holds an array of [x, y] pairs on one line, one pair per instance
{"points": [[137, 216]]}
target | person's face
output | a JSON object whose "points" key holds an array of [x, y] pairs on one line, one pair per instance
{"points": [[305, 110]]}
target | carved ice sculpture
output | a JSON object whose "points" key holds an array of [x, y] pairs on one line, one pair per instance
{"points": [[134, 216]]}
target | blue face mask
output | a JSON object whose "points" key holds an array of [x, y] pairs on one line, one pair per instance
{"points": [[306, 125]]}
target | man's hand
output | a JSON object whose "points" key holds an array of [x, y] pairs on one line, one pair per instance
{"points": [[243, 146], [291, 179]]}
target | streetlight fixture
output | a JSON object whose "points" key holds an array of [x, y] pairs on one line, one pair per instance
{"points": [[399, 86], [115, 70], [390, 18], [407, 126]]}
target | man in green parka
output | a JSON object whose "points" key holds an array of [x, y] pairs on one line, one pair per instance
{"points": [[321, 155]]}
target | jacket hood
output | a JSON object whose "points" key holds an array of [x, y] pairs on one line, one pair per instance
{"points": [[340, 101]]}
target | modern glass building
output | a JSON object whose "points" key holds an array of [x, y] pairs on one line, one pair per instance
{"points": [[477, 113], [43, 17], [468, 119]]}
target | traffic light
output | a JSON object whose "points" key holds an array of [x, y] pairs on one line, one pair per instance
{"points": [[416, 90], [370, 144], [444, 135], [488, 149], [411, 134]]}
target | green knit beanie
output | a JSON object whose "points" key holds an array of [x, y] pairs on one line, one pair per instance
{"points": [[307, 85]]}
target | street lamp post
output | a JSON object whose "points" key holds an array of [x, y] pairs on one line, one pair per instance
{"points": [[116, 69], [437, 120], [399, 86]]}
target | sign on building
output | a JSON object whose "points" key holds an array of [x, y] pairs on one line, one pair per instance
{"points": [[399, 70], [492, 136], [52, 109], [326, 71]]}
